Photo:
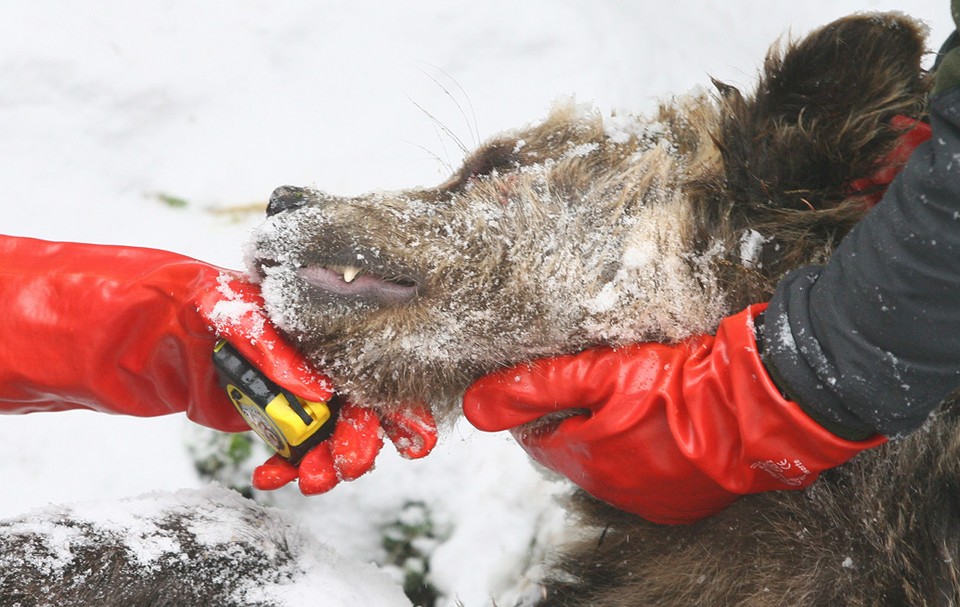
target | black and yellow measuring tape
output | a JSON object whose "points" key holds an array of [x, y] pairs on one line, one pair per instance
{"points": [[288, 423]]}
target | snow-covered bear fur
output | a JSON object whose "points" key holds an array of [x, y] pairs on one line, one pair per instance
{"points": [[192, 548], [584, 230]]}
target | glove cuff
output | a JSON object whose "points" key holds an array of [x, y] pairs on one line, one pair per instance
{"points": [[107, 328], [779, 446]]}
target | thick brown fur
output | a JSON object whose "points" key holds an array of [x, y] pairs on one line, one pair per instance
{"points": [[791, 151], [579, 231]]}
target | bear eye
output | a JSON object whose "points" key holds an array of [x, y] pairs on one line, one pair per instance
{"points": [[493, 157]]}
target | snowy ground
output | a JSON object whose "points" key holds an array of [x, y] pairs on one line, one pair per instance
{"points": [[104, 105]]}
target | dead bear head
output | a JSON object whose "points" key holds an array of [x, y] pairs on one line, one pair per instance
{"points": [[585, 229]]}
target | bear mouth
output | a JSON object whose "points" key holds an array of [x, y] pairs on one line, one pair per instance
{"points": [[353, 282]]}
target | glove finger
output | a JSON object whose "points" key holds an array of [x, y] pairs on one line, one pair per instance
{"points": [[273, 474], [563, 386], [279, 360], [533, 443], [284, 365], [555, 435], [357, 439], [502, 400], [525, 393], [317, 472], [235, 311], [412, 430]]}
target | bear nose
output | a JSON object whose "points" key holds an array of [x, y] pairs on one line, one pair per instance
{"points": [[286, 198]]}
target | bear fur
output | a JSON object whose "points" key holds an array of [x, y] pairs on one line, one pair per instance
{"points": [[585, 230]]}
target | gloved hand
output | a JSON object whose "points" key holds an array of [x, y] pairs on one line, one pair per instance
{"points": [[235, 313], [672, 433], [131, 331]]}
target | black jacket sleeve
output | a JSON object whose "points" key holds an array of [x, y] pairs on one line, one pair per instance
{"points": [[870, 342]]}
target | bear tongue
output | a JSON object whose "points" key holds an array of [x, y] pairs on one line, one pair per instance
{"points": [[350, 282]]}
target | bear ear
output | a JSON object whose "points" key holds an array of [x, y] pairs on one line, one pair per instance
{"points": [[820, 117]]}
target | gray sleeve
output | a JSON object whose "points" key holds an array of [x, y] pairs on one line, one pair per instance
{"points": [[870, 342]]}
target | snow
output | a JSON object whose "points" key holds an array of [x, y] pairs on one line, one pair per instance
{"points": [[751, 247], [229, 313], [105, 106]]}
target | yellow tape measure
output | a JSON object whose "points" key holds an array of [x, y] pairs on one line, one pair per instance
{"points": [[289, 424]]}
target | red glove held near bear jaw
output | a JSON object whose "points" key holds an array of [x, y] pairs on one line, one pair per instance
{"points": [[131, 330], [235, 311], [672, 433]]}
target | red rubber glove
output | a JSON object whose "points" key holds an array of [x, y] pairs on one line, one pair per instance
{"points": [[111, 329], [131, 331], [672, 433], [235, 310]]}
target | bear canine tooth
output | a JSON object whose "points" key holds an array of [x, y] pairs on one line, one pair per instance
{"points": [[349, 273]]}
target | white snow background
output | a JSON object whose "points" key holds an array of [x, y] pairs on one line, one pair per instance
{"points": [[105, 104]]}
